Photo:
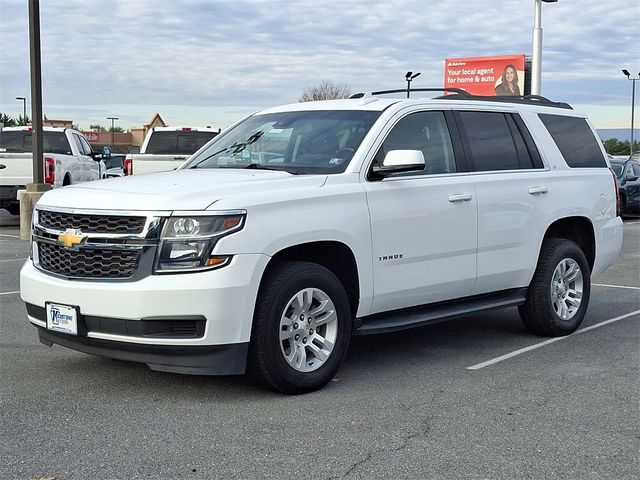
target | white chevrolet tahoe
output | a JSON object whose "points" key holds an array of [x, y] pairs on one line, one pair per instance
{"points": [[306, 224], [68, 159]]}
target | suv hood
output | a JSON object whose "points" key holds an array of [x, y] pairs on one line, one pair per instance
{"points": [[175, 190]]}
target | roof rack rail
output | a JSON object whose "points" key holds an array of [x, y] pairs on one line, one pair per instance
{"points": [[457, 91], [528, 99]]}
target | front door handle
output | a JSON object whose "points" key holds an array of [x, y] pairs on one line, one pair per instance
{"points": [[460, 197], [538, 190], [179, 158]]}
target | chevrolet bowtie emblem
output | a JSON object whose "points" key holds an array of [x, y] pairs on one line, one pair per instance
{"points": [[71, 237]]}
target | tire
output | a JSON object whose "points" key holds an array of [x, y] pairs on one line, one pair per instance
{"points": [[559, 292], [291, 351], [66, 181]]}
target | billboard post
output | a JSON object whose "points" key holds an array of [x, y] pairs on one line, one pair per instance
{"points": [[536, 62]]}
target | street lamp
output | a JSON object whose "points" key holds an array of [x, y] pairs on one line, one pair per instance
{"points": [[536, 60], [113, 119], [24, 107], [408, 77], [633, 101]]}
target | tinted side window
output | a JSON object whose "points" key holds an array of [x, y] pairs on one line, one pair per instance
{"points": [[55, 142], [427, 132], [489, 142], [87, 148], [636, 169], [575, 140], [76, 139]]}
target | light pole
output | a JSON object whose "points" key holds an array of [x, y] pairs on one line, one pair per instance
{"points": [[408, 77], [536, 57], [24, 107], [113, 119], [633, 101]]}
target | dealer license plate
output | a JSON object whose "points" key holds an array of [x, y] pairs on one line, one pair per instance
{"points": [[62, 318]]}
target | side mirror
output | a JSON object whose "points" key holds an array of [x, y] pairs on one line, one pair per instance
{"points": [[105, 151], [397, 161], [134, 149], [631, 177]]}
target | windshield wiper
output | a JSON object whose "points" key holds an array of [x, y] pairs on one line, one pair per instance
{"points": [[238, 147], [261, 166]]}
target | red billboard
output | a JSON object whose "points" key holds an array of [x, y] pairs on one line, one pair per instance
{"points": [[501, 75]]}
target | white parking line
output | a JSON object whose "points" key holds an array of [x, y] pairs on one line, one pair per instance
{"points": [[614, 286], [10, 236], [9, 293], [13, 260], [547, 342]]}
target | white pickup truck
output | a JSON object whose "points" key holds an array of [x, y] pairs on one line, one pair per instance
{"points": [[68, 159], [166, 148]]}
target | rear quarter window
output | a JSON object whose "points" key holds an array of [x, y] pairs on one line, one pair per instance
{"points": [[178, 142], [575, 140]]}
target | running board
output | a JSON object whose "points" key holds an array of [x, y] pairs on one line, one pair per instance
{"points": [[438, 312]]}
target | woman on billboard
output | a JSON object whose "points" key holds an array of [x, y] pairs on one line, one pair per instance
{"points": [[509, 79]]}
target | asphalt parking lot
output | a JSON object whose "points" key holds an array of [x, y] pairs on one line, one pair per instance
{"points": [[474, 398]]}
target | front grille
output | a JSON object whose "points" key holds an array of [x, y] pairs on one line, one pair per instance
{"points": [[88, 262], [91, 223]]}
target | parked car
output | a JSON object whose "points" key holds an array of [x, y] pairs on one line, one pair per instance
{"points": [[305, 224], [628, 176], [114, 165]]}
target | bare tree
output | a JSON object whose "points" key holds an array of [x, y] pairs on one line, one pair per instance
{"points": [[327, 90]]}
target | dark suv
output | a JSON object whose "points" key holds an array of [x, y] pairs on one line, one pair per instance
{"points": [[628, 175]]}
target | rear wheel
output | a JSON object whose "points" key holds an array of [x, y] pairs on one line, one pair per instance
{"points": [[301, 328], [559, 293]]}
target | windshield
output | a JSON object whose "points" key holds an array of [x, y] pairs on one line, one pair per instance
{"points": [[19, 141], [182, 142], [296, 142], [115, 161]]}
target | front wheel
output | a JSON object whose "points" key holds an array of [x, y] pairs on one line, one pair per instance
{"points": [[301, 328], [559, 292]]}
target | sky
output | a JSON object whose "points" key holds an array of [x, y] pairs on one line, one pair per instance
{"points": [[211, 62]]}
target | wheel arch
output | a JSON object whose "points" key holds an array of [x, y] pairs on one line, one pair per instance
{"points": [[333, 255], [577, 229]]}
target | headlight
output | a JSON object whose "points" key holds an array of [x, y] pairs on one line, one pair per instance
{"points": [[187, 241]]}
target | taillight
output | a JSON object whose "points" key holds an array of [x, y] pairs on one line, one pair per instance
{"points": [[49, 170], [615, 183], [128, 165]]}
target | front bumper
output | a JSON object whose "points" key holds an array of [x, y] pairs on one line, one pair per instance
{"points": [[132, 320], [194, 360]]}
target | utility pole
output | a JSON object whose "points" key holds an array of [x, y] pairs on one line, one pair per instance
{"points": [[113, 119], [633, 102], [408, 77], [34, 190], [24, 107]]}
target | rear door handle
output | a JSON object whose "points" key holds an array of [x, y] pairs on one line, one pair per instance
{"points": [[179, 158], [538, 190], [460, 197]]}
